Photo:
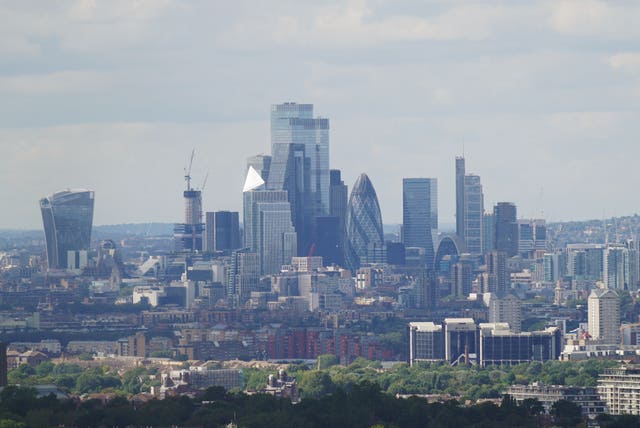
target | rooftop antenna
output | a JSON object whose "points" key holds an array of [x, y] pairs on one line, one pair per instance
{"points": [[187, 171]]}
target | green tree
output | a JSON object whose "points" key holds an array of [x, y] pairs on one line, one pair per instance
{"points": [[566, 413]]}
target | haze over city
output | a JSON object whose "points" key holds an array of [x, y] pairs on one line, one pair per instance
{"points": [[542, 97]]}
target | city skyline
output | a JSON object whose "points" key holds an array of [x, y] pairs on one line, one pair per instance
{"points": [[541, 98]]}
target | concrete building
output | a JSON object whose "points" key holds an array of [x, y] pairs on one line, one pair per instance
{"points": [[620, 390], [507, 309], [586, 397], [604, 316]]}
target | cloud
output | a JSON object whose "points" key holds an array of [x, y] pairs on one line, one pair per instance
{"points": [[628, 61], [613, 20], [59, 82]]}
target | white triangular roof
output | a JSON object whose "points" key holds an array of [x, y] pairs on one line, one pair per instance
{"points": [[253, 180]]}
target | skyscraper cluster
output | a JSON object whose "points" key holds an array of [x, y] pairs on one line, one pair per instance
{"points": [[293, 204]]}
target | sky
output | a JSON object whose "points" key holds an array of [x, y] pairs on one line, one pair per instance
{"points": [[542, 97]]}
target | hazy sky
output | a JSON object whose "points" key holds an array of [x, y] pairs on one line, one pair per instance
{"points": [[112, 95]]}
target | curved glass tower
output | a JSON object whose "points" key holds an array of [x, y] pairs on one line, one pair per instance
{"points": [[67, 217], [364, 223]]}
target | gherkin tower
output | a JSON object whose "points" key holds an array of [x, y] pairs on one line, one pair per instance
{"points": [[364, 223]]}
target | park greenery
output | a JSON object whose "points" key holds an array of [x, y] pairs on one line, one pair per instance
{"points": [[462, 382]]}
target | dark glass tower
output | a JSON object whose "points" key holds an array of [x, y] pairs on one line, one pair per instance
{"points": [[364, 223], [416, 215], [506, 228], [67, 217], [222, 231]]}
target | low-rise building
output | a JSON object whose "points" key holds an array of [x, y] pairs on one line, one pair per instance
{"points": [[586, 397], [620, 389]]}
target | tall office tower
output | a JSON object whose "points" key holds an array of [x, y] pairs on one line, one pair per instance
{"points": [[506, 309], [416, 216], [615, 269], [539, 234], [604, 316], [293, 123], [209, 232], [243, 275], [222, 231], [339, 196], [364, 222], [552, 265], [461, 278], [497, 277], [585, 261], [460, 215], [67, 217], [488, 233], [526, 238], [473, 213], [268, 229], [262, 165], [506, 228], [290, 171], [634, 265]]}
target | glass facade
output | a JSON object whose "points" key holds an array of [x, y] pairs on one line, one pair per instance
{"points": [[293, 123], [473, 213], [290, 170], [417, 212], [364, 222], [506, 228], [268, 229], [67, 217]]}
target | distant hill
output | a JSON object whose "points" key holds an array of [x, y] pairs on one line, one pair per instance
{"points": [[129, 229]]}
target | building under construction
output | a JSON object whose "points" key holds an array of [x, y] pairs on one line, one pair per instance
{"points": [[188, 235]]}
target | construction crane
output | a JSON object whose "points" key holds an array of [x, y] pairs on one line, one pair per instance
{"points": [[187, 171], [204, 182]]}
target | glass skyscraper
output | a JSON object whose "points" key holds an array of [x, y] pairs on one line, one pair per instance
{"points": [[505, 216], [294, 124], [268, 229], [473, 213], [417, 212], [67, 217], [364, 223]]}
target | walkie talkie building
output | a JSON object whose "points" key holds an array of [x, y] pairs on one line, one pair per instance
{"points": [[67, 217]]}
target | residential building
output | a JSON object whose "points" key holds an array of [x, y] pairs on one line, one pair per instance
{"points": [[586, 397], [620, 389], [604, 316]]}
